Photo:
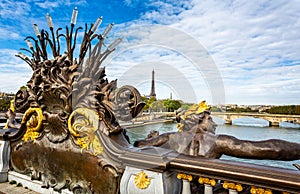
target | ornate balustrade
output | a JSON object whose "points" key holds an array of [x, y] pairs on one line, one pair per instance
{"points": [[212, 174], [244, 176]]}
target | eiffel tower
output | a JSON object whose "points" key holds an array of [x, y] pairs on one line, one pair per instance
{"points": [[152, 92]]}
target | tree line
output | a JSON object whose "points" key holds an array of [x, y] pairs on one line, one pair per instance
{"points": [[165, 105], [4, 104], [170, 105], [287, 110]]}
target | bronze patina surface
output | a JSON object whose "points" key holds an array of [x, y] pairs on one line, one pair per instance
{"points": [[65, 167], [66, 101], [196, 137]]}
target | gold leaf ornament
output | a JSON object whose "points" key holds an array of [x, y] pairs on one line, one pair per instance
{"points": [[12, 105], [142, 180], [82, 124], [233, 186], [257, 190], [33, 118], [207, 181], [185, 176], [194, 109], [180, 127]]}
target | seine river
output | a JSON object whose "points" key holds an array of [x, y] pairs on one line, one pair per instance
{"points": [[246, 128]]}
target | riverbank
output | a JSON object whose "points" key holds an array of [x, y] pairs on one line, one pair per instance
{"points": [[134, 124]]}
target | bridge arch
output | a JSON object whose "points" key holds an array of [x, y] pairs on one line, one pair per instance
{"points": [[250, 121], [273, 119]]}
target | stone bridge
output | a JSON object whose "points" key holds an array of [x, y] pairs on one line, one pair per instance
{"points": [[273, 119]]}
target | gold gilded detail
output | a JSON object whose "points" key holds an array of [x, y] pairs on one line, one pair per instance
{"points": [[180, 127], [207, 181], [142, 180], [185, 176], [256, 190], [6, 125], [82, 124], [12, 105], [233, 186], [33, 119], [194, 109]]}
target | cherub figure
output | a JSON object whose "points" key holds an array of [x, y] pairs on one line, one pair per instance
{"points": [[196, 137], [10, 115]]}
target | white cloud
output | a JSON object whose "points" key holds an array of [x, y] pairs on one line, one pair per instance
{"points": [[8, 33], [13, 9], [250, 43], [248, 40], [55, 4], [9, 83], [48, 4], [154, 45], [8, 59], [255, 45], [14, 72]]}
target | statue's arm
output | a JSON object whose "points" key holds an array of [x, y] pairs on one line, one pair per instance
{"points": [[272, 149], [156, 141]]}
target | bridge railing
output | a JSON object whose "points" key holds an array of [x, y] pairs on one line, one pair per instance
{"points": [[208, 176], [235, 176], [202, 175]]}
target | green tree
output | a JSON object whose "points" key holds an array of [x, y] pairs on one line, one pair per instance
{"points": [[241, 110], [171, 105], [148, 102], [23, 87], [4, 104], [287, 110], [215, 109]]}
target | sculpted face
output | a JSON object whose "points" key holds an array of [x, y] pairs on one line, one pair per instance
{"points": [[207, 124]]}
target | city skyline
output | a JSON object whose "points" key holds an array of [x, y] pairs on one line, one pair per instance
{"points": [[252, 48]]}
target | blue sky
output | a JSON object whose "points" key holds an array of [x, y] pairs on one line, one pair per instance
{"points": [[244, 52]]}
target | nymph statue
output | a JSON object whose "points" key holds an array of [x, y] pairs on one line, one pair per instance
{"points": [[196, 137], [10, 115]]}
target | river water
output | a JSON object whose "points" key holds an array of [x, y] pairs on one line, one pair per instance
{"points": [[245, 128]]}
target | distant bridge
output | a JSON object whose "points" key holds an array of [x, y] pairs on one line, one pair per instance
{"points": [[273, 119]]}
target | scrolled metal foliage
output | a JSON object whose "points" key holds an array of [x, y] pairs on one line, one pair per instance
{"points": [[21, 100], [82, 124], [63, 84], [33, 120], [127, 103], [67, 101]]}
